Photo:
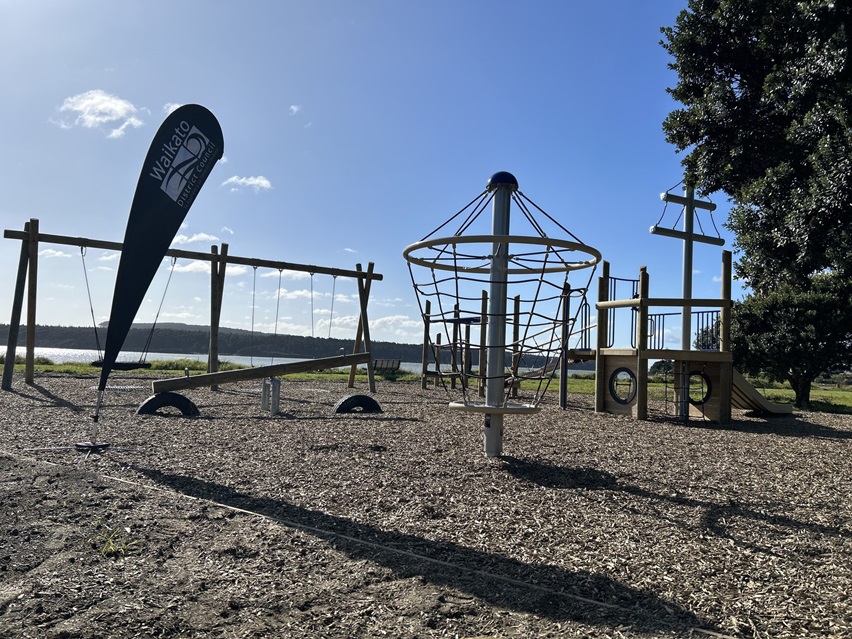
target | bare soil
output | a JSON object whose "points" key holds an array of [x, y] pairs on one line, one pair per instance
{"points": [[308, 523]]}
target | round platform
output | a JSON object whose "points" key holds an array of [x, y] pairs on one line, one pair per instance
{"points": [[508, 409]]}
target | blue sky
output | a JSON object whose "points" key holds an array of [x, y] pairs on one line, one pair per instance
{"points": [[352, 129]]}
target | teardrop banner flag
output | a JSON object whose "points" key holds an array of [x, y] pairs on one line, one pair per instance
{"points": [[184, 151]]}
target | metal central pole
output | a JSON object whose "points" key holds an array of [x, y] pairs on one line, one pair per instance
{"points": [[503, 184]]}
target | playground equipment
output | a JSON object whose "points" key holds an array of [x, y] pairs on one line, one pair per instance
{"points": [[469, 275], [706, 385], [702, 377], [31, 238]]}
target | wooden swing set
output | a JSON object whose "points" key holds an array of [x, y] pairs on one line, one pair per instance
{"points": [[27, 279]]}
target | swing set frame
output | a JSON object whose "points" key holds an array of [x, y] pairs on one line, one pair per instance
{"points": [[27, 279]]}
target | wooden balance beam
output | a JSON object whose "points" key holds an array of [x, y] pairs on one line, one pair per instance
{"points": [[259, 372]]}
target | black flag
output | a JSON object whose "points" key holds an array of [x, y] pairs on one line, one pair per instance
{"points": [[181, 157]]}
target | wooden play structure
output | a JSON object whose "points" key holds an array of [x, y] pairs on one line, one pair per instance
{"points": [[702, 378], [705, 384], [27, 278]]}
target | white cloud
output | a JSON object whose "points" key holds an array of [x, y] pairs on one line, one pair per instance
{"points": [[349, 250], [119, 132], [228, 230], [193, 266], [197, 237], [171, 107], [287, 274], [48, 253], [295, 275], [96, 109], [258, 183], [295, 108], [108, 257]]}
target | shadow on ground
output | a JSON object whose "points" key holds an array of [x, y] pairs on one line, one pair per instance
{"points": [[546, 591]]}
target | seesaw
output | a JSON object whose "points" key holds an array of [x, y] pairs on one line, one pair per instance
{"points": [[164, 394]]}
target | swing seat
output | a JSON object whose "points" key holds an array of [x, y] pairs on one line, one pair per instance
{"points": [[123, 366]]}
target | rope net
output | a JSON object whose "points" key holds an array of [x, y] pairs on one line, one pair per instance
{"points": [[543, 315]]}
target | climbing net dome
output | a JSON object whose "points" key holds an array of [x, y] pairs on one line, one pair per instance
{"points": [[499, 299]]}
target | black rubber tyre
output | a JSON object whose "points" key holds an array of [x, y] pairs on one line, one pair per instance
{"points": [[360, 403], [174, 400]]}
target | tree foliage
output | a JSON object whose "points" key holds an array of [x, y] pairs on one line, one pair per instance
{"points": [[766, 89], [795, 335]]}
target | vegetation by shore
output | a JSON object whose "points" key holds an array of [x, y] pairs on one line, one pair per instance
{"points": [[830, 395]]}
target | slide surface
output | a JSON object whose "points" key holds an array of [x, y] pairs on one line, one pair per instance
{"points": [[747, 397]]}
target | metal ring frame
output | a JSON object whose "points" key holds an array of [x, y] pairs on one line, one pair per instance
{"points": [[447, 260]]}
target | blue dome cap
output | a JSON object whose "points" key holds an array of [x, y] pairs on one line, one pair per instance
{"points": [[502, 178]]}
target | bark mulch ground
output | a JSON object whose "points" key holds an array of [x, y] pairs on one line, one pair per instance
{"points": [[308, 523]]}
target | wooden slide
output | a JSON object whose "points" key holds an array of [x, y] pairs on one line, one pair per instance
{"points": [[747, 397]]}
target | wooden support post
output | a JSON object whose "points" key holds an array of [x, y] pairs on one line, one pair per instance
{"points": [[602, 333], [563, 357], [641, 411], [483, 350], [217, 294], [427, 320], [218, 263], [360, 332], [725, 311], [213, 346], [454, 347], [17, 307], [516, 341], [363, 297], [467, 364], [438, 354], [726, 368], [32, 291]]}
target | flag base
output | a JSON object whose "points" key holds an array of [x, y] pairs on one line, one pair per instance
{"points": [[91, 447]]}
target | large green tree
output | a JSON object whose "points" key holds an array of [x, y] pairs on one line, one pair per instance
{"points": [[795, 335], [766, 94], [766, 89]]}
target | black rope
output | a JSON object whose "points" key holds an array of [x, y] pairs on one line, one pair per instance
{"points": [[462, 210], [551, 218], [665, 206]]}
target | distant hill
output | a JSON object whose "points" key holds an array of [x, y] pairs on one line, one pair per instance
{"points": [[174, 337]]}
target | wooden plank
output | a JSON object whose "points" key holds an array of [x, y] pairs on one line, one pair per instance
{"points": [[259, 372]]}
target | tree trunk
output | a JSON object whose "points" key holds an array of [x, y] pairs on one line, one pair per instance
{"points": [[802, 389]]}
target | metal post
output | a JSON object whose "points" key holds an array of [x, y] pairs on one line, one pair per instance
{"points": [[503, 184], [688, 225]]}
